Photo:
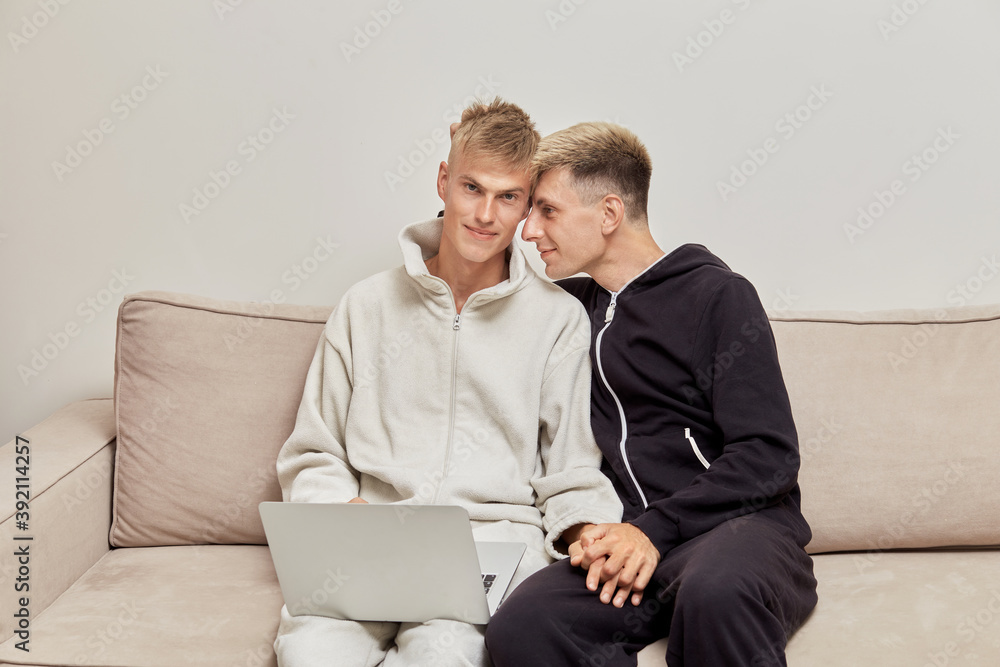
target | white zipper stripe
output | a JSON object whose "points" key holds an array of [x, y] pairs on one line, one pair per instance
{"points": [[608, 316], [621, 411], [694, 446]]}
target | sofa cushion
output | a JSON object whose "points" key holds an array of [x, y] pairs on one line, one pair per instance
{"points": [[898, 423], [206, 392], [162, 606], [905, 608]]}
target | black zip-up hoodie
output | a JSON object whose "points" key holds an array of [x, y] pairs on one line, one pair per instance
{"points": [[685, 357]]}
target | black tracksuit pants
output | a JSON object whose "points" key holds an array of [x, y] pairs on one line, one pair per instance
{"points": [[729, 597]]}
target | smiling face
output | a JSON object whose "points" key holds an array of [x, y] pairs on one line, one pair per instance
{"points": [[483, 203], [566, 231]]}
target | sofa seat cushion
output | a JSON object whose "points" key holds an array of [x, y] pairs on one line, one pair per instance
{"points": [[897, 608], [181, 605], [219, 605]]}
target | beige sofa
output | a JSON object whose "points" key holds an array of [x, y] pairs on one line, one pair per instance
{"points": [[146, 547]]}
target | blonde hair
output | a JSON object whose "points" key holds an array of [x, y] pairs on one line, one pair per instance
{"points": [[499, 131], [602, 159]]}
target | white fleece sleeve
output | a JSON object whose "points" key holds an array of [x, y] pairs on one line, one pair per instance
{"points": [[572, 488], [312, 464]]}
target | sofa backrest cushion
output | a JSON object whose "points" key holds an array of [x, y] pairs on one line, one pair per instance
{"points": [[898, 421], [896, 413], [206, 392]]}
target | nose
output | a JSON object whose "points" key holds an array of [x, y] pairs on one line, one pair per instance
{"points": [[531, 231], [486, 210]]}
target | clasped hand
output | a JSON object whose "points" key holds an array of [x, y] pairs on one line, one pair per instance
{"points": [[619, 555]]}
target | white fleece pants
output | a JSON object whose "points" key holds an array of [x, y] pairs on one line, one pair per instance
{"points": [[312, 641]]}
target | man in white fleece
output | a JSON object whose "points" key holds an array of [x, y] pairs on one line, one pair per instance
{"points": [[459, 378]]}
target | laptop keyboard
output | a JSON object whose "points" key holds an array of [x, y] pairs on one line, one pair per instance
{"points": [[488, 580]]}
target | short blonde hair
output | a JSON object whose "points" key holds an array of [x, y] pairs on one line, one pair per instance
{"points": [[498, 131], [602, 159]]}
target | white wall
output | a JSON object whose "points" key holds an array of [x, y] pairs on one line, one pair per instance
{"points": [[198, 81]]}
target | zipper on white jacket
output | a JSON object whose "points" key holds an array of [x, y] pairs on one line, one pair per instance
{"points": [[694, 447], [608, 316], [456, 325]]}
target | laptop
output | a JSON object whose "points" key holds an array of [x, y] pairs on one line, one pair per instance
{"points": [[401, 563]]}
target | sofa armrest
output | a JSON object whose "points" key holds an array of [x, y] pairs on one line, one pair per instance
{"points": [[69, 470]]}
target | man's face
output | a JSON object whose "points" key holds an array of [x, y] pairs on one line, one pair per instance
{"points": [[566, 232], [483, 204]]}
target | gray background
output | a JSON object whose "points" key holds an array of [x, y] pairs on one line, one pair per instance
{"points": [[363, 93]]}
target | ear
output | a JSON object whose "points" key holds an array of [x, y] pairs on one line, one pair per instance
{"points": [[442, 179], [613, 209]]}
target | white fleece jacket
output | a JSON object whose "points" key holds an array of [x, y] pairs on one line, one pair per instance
{"points": [[408, 402]]}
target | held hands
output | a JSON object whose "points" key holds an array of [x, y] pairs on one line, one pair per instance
{"points": [[618, 554]]}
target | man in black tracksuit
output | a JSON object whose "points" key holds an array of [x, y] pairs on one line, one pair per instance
{"points": [[690, 410]]}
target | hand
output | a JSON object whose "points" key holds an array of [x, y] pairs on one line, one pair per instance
{"points": [[575, 551], [576, 554], [572, 534], [621, 556], [358, 500]]}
